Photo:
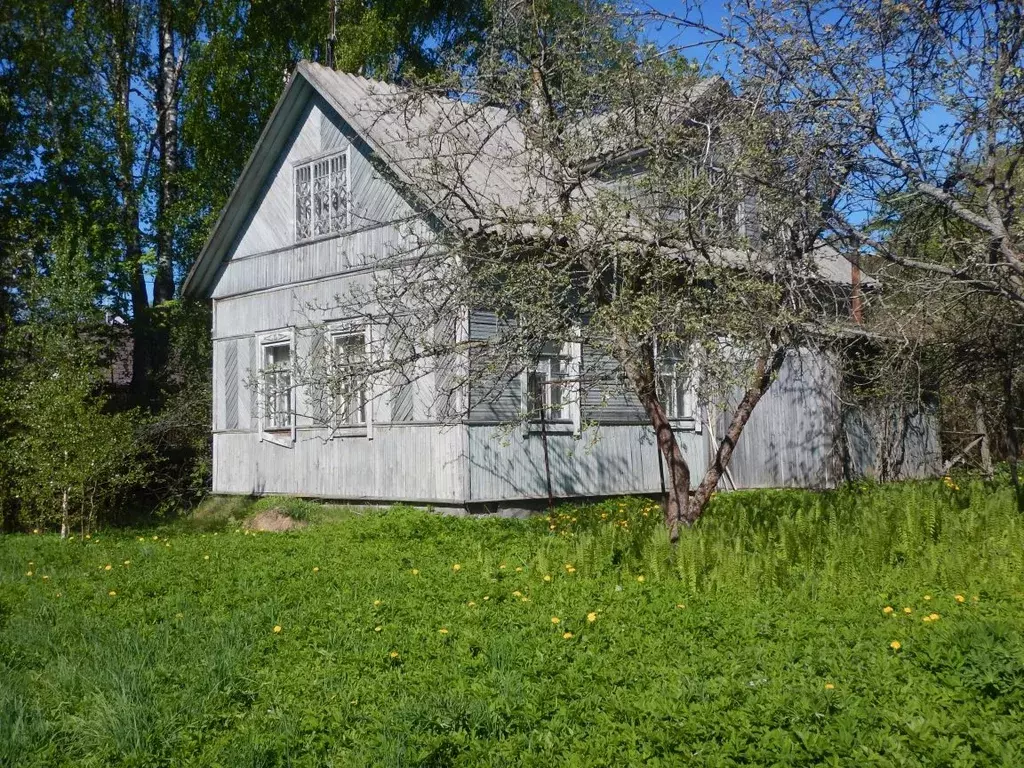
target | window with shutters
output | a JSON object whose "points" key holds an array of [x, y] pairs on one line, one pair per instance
{"points": [[321, 197]]}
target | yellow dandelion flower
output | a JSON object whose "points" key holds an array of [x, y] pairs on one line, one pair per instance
{"points": [[517, 593], [526, 599], [415, 571], [519, 569], [487, 597], [28, 573], [277, 629], [155, 538], [887, 610], [206, 557], [107, 567], [547, 577], [926, 619], [555, 620], [127, 562], [471, 604], [829, 687], [31, 562], [934, 617], [88, 535], [592, 617], [456, 567], [641, 579], [45, 577], [927, 597], [443, 631], [112, 593], [680, 605], [567, 635], [570, 570], [895, 645], [502, 566], [316, 569], [376, 602], [393, 654], [568, 566], [959, 598], [908, 609], [378, 628]]}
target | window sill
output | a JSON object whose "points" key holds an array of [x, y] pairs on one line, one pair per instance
{"points": [[349, 430]]}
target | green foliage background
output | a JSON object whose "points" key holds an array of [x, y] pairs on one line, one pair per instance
{"points": [[720, 656]]}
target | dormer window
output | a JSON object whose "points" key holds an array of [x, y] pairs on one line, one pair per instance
{"points": [[321, 197]]}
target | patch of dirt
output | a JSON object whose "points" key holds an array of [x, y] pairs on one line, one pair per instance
{"points": [[273, 521]]}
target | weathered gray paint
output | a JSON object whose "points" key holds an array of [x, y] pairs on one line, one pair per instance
{"points": [[403, 462], [263, 282]]}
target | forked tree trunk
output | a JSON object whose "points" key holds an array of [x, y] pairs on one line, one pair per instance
{"points": [[681, 508]]}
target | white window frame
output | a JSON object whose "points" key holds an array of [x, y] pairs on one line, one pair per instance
{"points": [[334, 335], [306, 172], [568, 357], [343, 387], [273, 432], [680, 402]]}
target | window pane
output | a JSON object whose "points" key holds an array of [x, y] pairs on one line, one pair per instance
{"points": [[277, 385], [303, 209], [339, 207], [321, 198], [350, 354]]}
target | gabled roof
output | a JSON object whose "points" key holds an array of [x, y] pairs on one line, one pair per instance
{"points": [[408, 132], [413, 133]]}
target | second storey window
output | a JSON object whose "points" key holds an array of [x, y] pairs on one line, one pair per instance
{"points": [[321, 197], [350, 377], [276, 382]]}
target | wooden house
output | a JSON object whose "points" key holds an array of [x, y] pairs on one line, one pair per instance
{"points": [[317, 204]]}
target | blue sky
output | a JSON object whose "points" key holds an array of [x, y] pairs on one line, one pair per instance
{"points": [[693, 45]]}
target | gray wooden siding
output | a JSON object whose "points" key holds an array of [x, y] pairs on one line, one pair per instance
{"points": [[270, 283], [789, 439], [606, 461], [884, 444], [414, 463], [606, 397], [493, 399], [319, 131]]}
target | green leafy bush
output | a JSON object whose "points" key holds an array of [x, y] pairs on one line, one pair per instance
{"points": [[404, 638]]}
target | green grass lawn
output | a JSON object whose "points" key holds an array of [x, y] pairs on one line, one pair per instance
{"points": [[408, 639]]}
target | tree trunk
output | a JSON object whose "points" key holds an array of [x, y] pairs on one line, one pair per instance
{"points": [[167, 143], [983, 446], [764, 374], [64, 514]]}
